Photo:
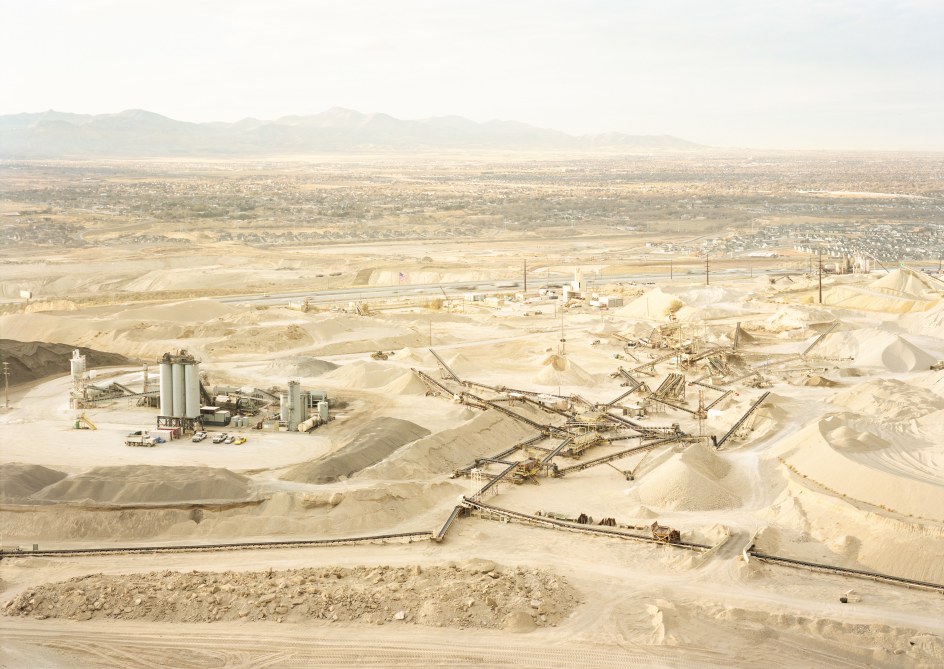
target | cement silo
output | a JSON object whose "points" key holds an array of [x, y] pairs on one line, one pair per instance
{"points": [[192, 389], [180, 386], [323, 411], [284, 407], [296, 410], [180, 392], [167, 388], [77, 364]]}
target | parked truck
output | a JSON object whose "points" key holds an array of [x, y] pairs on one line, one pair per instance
{"points": [[141, 438]]}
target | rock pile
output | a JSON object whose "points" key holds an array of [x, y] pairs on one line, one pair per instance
{"points": [[475, 594]]}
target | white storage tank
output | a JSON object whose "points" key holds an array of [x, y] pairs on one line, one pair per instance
{"points": [[167, 391], [177, 373], [192, 395], [323, 412], [284, 406], [297, 411], [307, 425], [77, 363]]}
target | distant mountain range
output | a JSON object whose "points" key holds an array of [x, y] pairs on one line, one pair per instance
{"points": [[138, 133]]}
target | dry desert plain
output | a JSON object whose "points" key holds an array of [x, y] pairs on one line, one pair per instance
{"points": [[840, 463]]}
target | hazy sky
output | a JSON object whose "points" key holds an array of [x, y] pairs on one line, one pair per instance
{"points": [[758, 73]]}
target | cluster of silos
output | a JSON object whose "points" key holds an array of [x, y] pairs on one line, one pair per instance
{"points": [[291, 408], [180, 386]]}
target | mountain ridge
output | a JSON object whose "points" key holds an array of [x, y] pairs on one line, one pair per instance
{"points": [[142, 133]]}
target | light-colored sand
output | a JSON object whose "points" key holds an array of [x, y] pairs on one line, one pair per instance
{"points": [[857, 465], [848, 474]]}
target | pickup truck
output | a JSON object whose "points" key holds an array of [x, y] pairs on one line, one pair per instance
{"points": [[218, 439], [198, 437]]}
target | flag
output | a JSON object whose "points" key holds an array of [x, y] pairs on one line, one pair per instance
{"points": [[402, 276]]}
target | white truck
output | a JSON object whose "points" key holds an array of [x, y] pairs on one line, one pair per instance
{"points": [[140, 438]]}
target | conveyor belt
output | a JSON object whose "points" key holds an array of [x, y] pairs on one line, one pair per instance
{"points": [[196, 548], [630, 379], [675, 406], [432, 384], [495, 481], [617, 400], [845, 571], [617, 456], [446, 368], [553, 523], [820, 338], [456, 512], [734, 428], [718, 399], [553, 454], [650, 430]]}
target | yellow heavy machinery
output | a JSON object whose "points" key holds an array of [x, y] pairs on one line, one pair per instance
{"points": [[527, 471], [379, 355], [83, 423]]}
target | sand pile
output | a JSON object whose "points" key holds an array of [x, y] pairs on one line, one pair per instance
{"points": [[148, 485], [708, 312], [405, 384], [416, 355], [796, 318], [363, 374], [19, 481], [830, 529], [910, 282], [656, 304], [930, 322], [873, 347], [693, 480], [477, 594], [373, 443], [817, 381], [889, 400], [559, 370], [832, 455], [300, 366], [899, 292], [446, 451], [30, 360]]}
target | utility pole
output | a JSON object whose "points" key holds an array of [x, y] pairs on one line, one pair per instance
{"points": [[670, 269], [563, 341], [430, 332], [821, 276], [706, 267], [525, 276], [6, 384]]}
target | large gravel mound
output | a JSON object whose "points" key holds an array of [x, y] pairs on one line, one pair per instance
{"points": [[18, 481], [375, 441], [145, 484]]}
